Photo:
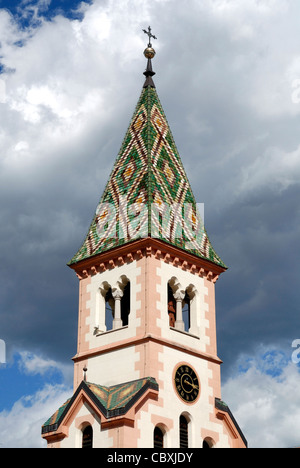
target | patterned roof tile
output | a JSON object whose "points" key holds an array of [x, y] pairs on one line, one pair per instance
{"points": [[111, 401], [148, 192]]}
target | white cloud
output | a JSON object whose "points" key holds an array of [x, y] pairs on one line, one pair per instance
{"points": [[227, 74], [21, 426], [264, 399], [68, 76], [60, 89], [2, 91], [33, 364]]}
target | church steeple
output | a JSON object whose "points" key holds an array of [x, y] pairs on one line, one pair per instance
{"points": [[146, 371], [148, 193]]}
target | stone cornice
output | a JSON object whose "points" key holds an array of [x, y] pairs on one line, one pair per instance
{"points": [[147, 247]]}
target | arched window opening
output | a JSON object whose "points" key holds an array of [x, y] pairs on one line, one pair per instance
{"points": [[186, 312], [207, 443], [183, 432], [171, 307], [87, 437], [125, 305], [117, 305], [182, 309], [109, 309], [158, 438]]}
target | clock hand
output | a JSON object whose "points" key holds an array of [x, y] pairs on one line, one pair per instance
{"points": [[191, 384]]}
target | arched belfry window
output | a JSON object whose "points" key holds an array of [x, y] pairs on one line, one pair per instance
{"points": [[158, 438], [171, 307], [183, 432], [125, 304], [182, 306], [87, 437], [113, 305], [109, 309], [121, 295], [186, 312], [175, 296]]}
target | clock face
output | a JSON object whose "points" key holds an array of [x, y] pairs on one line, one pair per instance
{"points": [[186, 383]]}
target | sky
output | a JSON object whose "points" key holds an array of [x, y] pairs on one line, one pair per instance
{"points": [[228, 77]]}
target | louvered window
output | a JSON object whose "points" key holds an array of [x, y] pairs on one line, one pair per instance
{"points": [[87, 437], [183, 432], [158, 438]]}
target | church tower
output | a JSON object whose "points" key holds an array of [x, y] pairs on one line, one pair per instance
{"points": [[146, 372]]}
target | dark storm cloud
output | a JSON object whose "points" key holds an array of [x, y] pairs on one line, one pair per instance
{"points": [[228, 76], [224, 79], [258, 297]]}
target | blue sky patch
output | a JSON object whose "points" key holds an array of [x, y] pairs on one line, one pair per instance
{"points": [[271, 362], [17, 382], [30, 12]]}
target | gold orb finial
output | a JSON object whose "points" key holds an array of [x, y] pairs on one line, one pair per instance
{"points": [[149, 53]]}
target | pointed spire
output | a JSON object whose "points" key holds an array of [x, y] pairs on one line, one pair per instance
{"points": [[149, 53], [148, 193], [148, 74]]}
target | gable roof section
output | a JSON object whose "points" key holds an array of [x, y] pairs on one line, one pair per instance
{"points": [[110, 401], [148, 193], [221, 409]]}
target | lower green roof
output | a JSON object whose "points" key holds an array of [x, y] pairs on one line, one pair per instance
{"points": [[111, 401]]}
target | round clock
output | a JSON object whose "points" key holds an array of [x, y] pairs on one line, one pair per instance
{"points": [[186, 383]]}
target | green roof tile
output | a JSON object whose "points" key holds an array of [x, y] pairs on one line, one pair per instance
{"points": [[147, 186], [111, 401]]}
